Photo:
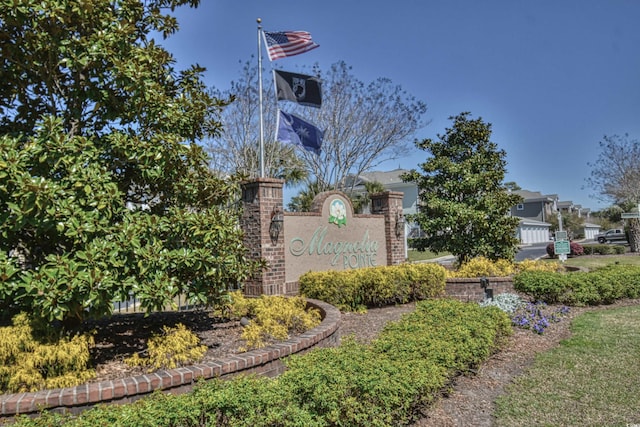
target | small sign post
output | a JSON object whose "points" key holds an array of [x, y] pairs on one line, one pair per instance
{"points": [[561, 245], [562, 248], [561, 235]]}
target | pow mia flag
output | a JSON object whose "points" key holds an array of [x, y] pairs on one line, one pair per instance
{"points": [[299, 88]]}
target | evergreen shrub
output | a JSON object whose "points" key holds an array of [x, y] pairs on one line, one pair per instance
{"points": [[355, 290], [602, 249], [600, 286], [383, 384]]}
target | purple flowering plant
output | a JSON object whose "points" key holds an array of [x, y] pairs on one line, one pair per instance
{"points": [[538, 316], [527, 315]]}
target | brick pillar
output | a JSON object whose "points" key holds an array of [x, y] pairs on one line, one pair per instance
{"points": [[389, 204], [262, 200]]}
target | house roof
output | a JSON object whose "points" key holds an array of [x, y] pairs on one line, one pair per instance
{"points": [[565, 204], [535, 196], [385, 178]]}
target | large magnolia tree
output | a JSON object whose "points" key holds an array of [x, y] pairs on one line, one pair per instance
{"points": [[463, 202], [103, 190], [615, 176]]}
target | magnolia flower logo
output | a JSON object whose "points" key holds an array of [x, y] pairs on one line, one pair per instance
{"points": [[338, 213]]}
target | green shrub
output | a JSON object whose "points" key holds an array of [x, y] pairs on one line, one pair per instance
{"points": [[425, 280], [455, 335], [385, 384], [354, 385], [250, 401], [355, 290], [34, 357], [540, 285], [601, 249], [601, 286]]}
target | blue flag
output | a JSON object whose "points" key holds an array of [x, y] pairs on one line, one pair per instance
{"points": [[294, 130]]}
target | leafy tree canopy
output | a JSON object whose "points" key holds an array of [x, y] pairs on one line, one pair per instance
{"points": [[103, 190], [463, 203], [512, 185]]}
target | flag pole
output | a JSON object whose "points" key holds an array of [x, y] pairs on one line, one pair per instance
{"points": [[259, 21]]}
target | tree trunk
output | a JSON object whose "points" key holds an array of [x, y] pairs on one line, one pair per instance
{"points": [[634, 234]]}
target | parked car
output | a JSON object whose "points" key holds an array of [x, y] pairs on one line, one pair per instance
{"points": [[613, 235]]}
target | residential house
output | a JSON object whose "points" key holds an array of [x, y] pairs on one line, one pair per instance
{"points": [[535, 205], [567, 206], [534, 212], [392, 182]]}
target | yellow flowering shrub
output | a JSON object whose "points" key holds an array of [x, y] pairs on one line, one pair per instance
{"points": [[37, 358], [537, 265], [355, 290], [176, 347], [481, 266], [273, 317]]}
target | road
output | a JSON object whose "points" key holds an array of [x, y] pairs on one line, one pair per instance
{"points": [[533, 251]]}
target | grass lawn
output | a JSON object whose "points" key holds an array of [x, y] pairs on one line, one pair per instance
{"points": [[602, 260], [592, 379], [414, 255]]}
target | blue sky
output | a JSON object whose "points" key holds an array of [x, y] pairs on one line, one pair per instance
{"points": [[551, 76]]}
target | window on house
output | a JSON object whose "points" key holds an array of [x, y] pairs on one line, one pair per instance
{"points": [[520, 207]]}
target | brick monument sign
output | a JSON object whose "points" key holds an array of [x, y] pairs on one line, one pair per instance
{"points": [[330, 237]]}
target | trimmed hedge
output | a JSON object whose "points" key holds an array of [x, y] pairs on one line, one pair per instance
{"points": [[385, 384], [604, 249], [601, 286], [355, 290]]}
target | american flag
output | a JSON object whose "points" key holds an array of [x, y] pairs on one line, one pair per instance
{"points": [[288, 43]]}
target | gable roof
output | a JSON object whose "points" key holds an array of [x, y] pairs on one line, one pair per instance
{"points": [[385, 178], [535, 196]]}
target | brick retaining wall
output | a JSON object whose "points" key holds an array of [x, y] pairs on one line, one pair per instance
{"points": [[469, 289], [265, 361]]}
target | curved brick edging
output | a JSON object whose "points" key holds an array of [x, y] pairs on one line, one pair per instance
{"points": [[265, 361]]}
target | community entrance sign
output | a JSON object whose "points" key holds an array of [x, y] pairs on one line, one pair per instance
{"points": [[333, 238], [328, 237]]}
